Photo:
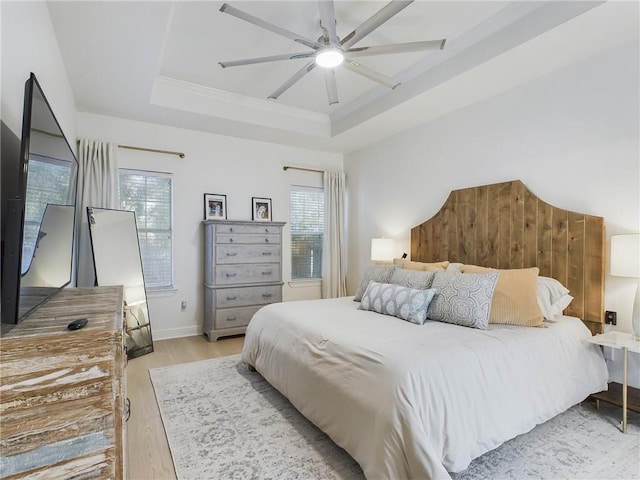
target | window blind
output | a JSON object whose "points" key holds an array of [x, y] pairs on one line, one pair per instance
{"points": [[149, 195], [307, 231]]}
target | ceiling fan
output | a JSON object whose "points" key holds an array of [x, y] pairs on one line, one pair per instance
{"points": [[331, 51]]}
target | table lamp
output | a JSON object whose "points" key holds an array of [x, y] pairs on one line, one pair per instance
{"points": [[382, 250], [625, 262]]}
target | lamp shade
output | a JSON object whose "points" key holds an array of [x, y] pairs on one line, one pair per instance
{"points": [[625, 255], [382, 249]]}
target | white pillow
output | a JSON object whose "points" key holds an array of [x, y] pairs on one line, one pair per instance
{"points": [[553, 297], [454, 267]]}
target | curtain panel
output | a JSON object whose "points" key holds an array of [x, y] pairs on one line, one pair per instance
{"points": [[333, 252], [97, 187]]}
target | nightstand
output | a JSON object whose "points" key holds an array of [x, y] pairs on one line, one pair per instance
{"points": [[622, 395]]}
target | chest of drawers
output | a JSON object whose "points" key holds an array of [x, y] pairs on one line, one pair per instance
{"points": [[242, 273]]}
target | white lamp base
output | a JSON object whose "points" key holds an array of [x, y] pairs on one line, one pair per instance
{"points": [[635, 314]]}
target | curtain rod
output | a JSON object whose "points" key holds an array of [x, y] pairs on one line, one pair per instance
{"points": [[287, 167], [155, 150]]}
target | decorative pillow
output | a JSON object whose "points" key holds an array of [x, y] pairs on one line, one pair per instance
{"points": [[405, 303], [515, 300], [553, 297], [454, 267], [430, 267], [378, 273], [463, 299], [412, 278]]}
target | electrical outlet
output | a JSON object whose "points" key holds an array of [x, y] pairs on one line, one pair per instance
{"points": [[611, 317], [183, 305]]}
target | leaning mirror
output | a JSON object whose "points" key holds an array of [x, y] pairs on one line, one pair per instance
{"points": [[116, 256]]}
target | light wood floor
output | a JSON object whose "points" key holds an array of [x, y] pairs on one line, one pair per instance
{"points": [[148, 455]]}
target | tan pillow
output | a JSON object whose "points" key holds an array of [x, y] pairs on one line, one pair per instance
{"points": [[428, 267], [515, 300]]}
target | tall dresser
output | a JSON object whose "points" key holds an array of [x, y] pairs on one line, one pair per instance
{"points": [[63, 402], [243, 273]]}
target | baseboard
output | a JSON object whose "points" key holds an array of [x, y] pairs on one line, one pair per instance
{"points": [[169, 333]]}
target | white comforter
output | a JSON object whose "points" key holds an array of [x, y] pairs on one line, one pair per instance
{"points": [[413, 402]]}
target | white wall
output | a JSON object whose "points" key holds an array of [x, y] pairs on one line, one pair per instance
{"points": [[238, 168], [571, 137], [29, 45]]}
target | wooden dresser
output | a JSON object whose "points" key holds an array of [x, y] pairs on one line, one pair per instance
{"points": [[63, 393], [243, 272]]}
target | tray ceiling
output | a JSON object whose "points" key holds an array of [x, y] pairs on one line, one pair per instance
{"points": [[158, 62]]}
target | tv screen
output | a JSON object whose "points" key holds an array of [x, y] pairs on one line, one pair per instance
{"points": [[39, 222]]}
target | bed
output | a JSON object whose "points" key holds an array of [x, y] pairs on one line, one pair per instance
{"points": [[419, 401]]}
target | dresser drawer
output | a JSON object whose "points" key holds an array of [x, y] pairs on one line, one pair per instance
{"points": [[251, 229], [247, 254], [264, 239], [234, 317], [249, 273], [241, 296]]}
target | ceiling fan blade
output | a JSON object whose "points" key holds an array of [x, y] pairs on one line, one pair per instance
{"points": [[332, 87], [328, 20], [360, 69], [396, 48], [226, 8], [297, 76], [273, 58], [384, 14]]}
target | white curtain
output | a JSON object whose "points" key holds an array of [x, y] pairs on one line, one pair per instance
{"points": [[333, 251], [97, 187]]}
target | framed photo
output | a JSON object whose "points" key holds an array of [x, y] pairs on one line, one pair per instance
{"points": [[215, 206], [261, 209]]}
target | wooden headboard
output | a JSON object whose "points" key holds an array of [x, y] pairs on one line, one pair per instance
{"points": [[505, 225]]}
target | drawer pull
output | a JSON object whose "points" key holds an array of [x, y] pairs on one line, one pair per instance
{"points": [[232, 298], [266, 230], [267, 253], [266, 240], [267, 273], [231, 254], [231, 319], [267, 295], [231, 240], [231, 230], [231, 275]]}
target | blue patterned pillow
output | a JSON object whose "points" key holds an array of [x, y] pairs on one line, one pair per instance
{"points": [[412, 278], [405, 303], [463, 298], [378, 273]]}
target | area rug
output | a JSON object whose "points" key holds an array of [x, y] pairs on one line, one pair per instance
{"points": [[225, 422]]}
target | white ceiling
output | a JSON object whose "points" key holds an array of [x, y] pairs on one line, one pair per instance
{"points": [[157, 61]]}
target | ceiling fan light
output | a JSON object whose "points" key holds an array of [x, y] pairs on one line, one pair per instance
{"points": [[329, 57]]}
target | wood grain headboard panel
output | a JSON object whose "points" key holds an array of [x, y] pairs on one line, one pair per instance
{"points": [[505, 225]]}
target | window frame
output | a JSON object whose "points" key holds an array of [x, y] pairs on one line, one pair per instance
{"points": [[155, 173]]}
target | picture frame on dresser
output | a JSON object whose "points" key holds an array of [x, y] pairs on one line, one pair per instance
{"points": [[215, 206], [261, 210]]}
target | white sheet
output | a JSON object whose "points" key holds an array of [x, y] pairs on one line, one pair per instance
{"points": [[410, 401]]}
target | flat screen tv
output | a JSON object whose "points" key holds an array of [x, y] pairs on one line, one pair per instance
{"points": [[38, 223]]}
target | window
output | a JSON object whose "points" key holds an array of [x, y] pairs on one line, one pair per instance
{"points": [[307, 231], [48, 183], [149, 194]]}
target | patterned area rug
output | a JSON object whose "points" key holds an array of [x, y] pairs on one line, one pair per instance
{"points": [[224, 422]]}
